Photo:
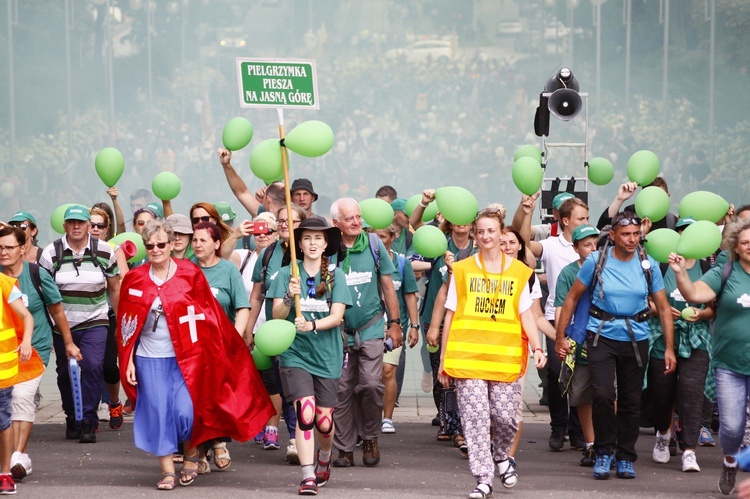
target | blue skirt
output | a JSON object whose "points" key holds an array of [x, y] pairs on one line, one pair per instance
{"points": [[164, 410]]}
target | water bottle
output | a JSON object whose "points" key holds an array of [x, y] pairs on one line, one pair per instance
{"points": [[75, 385]]}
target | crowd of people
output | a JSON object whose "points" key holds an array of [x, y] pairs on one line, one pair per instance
{"points": [[174, 328]]}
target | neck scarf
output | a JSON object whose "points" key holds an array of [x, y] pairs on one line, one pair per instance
{"points": [[360, 244]]}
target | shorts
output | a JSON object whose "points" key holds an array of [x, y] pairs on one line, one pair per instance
{"points": [[392, 356], [6, 395], [270, 377], [298, 383], [22, 407], [581, 391]]}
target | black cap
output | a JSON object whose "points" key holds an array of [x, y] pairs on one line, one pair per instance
{"points": [[304, 184], [333, 234]]}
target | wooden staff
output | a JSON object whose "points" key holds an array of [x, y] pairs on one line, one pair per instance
{"points": [[288, 196]]}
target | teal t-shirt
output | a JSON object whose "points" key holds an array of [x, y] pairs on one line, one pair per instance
{"points": [[565, 281], [227, 287], [438, 275], [403, 284], [321, 353], [42, 337], [272, 270], [730, 348], [362, 280]]}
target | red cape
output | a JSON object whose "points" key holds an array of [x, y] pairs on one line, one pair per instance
{"points": [[229, 399]]}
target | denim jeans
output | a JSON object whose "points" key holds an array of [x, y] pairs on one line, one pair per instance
{"points": [[731, 395]]}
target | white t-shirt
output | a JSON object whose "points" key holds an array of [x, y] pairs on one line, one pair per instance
{"points": [[247, 279], [556, 254]]}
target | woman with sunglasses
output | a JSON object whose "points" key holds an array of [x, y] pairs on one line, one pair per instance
{"points": [[311, 367], [39, 298], [487, 331], [27, 223], [178, 351], [229, 290]]}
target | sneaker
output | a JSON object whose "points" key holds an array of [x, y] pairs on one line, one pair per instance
{"points": [[661, 450], [387, 426], [588, 457], [727, 479], [601, 466], [370, 452], [115, 415], [426, 382], [21, 466], [291, 452], [481, 491], [322, 471], [436, 420], [557, 439], [72, 429], [127, 410], [507, 471], [308, 487], [577, 442], [689, 463], [7, 485], [271, 439], [345, 460], [102, 413], [258, 439], [625, 469], [88, 433], [706, 439]]}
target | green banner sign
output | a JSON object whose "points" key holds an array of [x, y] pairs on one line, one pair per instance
{"points": [[278, 83]]}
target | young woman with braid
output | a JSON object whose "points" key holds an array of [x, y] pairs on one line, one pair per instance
{"points": [[311, 367]]}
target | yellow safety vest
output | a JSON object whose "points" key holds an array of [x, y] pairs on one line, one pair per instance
{"points": [[480, 346], [11, 334]]}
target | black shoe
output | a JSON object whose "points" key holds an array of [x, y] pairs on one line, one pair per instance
{"points": [[557, 439], [589, 457], [436, 420], [345, 460], [543, 401], [577, 442], [88, 433], [72, 429]]}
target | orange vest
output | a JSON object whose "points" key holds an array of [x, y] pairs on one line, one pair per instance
{"points": [[479, 346], [11, 334]]}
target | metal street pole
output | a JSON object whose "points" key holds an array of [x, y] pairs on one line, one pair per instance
{"points": [[628, 26], [109, 71], [150, 7], [11, 87], [598, 11], [665, 79], [711, 88]]}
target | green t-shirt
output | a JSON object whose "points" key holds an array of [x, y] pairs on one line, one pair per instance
{"points": [[399, 245], [42, 337], [227, 287], [362, 280], [438, 275], [322, 353], [405, 283], [730, 348], [274, 264], [565, 281]]}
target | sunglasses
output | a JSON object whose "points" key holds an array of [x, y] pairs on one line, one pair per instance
{"points": [[150, 246], [311, 293], [102, 226], [140, 223], [629, 221], [197, 220], [19, 225]]}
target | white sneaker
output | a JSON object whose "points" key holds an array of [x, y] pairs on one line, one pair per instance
{"points": [[661, 450], [103, 412], [291, 452], [387, 426], [689, 462], [20, 465], [427, 382]]}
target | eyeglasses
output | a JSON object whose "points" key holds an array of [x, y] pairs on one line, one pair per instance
{"points": [[102, 226], [139, 223], [629, 221], [197, 220], [19, 225], [8, 248], [284, 221], [311, 293], [150, 246], [353, 218]]}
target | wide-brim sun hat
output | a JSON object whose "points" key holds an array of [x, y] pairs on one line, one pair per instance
{"points": [[333, 234]]}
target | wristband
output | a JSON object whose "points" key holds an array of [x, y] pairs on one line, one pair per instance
{"points": [[314, 328], [538, 349], [422, 204]]}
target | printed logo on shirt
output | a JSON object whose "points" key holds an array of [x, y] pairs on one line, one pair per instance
{"points": [[677, 296], [396, 285], [313, 305], [215, 292], [490, 297], [273, 276], [443, 269], [355, 278], [744, 300], [128, 327]]}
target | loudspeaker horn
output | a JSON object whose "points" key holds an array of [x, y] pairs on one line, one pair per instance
{"points": [[565, 104]]}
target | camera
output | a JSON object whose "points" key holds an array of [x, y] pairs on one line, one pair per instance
{"points": [[258, 228]]}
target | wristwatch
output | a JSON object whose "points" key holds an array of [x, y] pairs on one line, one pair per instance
{"points": [[394, 321], [415, 326]]}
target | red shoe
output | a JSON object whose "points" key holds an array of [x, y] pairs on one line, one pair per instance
{"points": [[322, 471], [308, 487]]}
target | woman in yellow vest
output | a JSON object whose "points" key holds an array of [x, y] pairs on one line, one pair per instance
{"points": [[490, 325]]}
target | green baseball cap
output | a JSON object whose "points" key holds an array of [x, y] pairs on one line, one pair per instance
{"points": [[558, 200], [22, 216], [226, 212], [684, 222], [399, 204], [77, 212], [156, 208], [584, 231]]}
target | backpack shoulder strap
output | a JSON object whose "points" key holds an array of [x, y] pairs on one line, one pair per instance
{"points": [[264, 262], [726, 271], [245, 244], [36, 280], [401, 265], [647, 268], [705, 265], [57, 260], [94, 249], [245, 261], [375, 249]]}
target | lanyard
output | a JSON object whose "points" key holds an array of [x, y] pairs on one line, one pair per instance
{"points": [[487, 279]]}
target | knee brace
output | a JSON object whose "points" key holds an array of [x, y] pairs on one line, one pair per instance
{"points": [[304, 423], [322, 419]]}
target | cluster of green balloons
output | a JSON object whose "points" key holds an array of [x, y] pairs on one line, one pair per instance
{"points": [[429, 241], [274, 337], [238, 133], [378, 213], [652, 202], [166, 186], [429, 213], [643, 167], [109, 165], [527, 172], [457, 205], [703, 205], [660, 243], [699, 240], [265, 161]]}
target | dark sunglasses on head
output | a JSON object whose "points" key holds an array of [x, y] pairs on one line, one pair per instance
{"points": [[311, 287], [21, 226], [140, 223], [150, 246], [629, 221], [101, 226], [197, 220]]}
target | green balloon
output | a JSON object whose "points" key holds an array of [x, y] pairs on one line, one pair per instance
{"points": [[237, 134], [429, 241], [429, 213], [527, 174], [643, 167], [530, 151], [457, 205], [433, 349], [135, 239], [703, 205], [109, 165], [262, 361], [377, 213], [601, 171], [275, 336], [265, 160], [310, 138], [166, 186], [660, 243], [56, 219], [687, 312], [699, 240], [652, 202]]}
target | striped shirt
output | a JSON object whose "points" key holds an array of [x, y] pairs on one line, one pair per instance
{"points": [[82, 282]]}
